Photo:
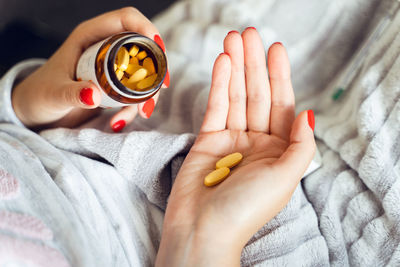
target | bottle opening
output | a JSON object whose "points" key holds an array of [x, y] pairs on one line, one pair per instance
{"points": [[146, 70]]}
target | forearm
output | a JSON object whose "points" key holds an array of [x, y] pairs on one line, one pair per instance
{"points": [[8, 81], [180, 247]]}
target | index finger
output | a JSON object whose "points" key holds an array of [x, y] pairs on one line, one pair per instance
{"points": [[102, 26], [218, 99]]}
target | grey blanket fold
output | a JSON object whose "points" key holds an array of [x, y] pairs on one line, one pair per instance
{"points": [[150, 160]]}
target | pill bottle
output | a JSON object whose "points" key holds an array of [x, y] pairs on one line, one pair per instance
{"points": [[97, 65]]}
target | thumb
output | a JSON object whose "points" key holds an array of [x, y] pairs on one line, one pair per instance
{"points": [[81, 94], [302, 146]]}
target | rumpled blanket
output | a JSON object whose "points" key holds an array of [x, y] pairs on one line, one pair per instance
{"points": [[87, 197]]}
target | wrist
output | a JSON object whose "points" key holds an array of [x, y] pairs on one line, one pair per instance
{"points": [[194, 246]]}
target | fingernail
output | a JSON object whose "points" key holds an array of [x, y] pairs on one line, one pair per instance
{"points": [[148, 107], [278, 43], [224, 53], [232, 32], [311, 118], [86, 96], [118, 126], [159, 41], [166, 79], [251, 28]]}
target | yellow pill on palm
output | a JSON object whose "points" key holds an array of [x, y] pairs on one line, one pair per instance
{"points": [[122, 59], [229, 161], [139, 75], [149, 65], [147, 82], [141, 55], [216, 177], [119, 73], [134, 50]]}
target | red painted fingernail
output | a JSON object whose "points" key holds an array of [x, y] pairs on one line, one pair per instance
{"points": [[311, 118], [148, 107], [166, 79], [251, 28], [86, 96], [118, 126], [232, 32], [225, 54], [159, 41]]}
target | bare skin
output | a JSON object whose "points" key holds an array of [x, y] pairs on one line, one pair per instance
{"points": [[53, 104], [249, 113]]}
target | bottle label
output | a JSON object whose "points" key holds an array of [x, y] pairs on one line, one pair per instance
{"points": [[86, 71]]}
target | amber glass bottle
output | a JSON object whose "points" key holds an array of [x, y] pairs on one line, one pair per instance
{"points": [[97, 65]]}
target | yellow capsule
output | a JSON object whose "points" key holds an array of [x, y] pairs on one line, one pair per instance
{"points": [[149, 65], [122, 58], [134, 61], [217, 176], [229, 161], [124, 81], [134, 50], [139, 75], [141, 55], [131, 86], [132, 68], [147, 82], [119, 74]]}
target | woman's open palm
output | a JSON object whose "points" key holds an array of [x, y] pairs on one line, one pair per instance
{"points": [[250, 113]]}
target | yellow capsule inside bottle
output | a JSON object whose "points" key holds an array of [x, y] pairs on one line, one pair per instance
{"points": [[140, 71], [103, 62], [141, 55], [149, 65], [119, 74], [139, 75], [132, 68], [134, 50], [134, 61], [147, 82], [122, 59]]}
